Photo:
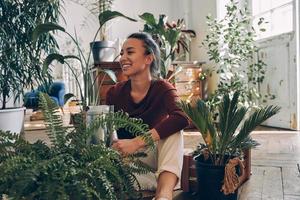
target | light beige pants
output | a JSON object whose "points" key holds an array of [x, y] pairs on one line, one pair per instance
{"points": [[168, 156]]}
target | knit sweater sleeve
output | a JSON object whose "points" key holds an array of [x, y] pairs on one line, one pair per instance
{"points": [[109, 97], [176, 119]]}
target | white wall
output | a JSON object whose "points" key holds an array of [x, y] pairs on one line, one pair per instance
{"points": [[193, 11], [121, 28], [199, 11], [297, 21]]}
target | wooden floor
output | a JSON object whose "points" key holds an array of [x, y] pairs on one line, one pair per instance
{"points": [[275, 174]]}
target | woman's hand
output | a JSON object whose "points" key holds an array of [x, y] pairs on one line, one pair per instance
{"points": [[128, 146]]}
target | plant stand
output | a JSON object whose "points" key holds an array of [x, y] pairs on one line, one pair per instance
{"points": [[189, 177]]}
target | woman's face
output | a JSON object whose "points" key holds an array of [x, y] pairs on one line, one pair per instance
{"points": [[133, 59]]}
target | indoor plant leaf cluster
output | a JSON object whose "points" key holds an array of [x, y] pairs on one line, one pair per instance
{"points": [[88, 94], [171, 38], [231, 134], [71, 167], [230, 44], [20, 60]]}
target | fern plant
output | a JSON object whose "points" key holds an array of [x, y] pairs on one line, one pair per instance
{"points": [[232, 134], [70, 168]]}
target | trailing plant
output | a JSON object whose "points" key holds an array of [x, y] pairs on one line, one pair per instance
{"points": [[71, 167], [88, 94], [232, 133], [171, 38], [20, 61], [231, 46]]}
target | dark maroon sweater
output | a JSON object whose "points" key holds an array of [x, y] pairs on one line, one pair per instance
{"points": [[158, 108]]}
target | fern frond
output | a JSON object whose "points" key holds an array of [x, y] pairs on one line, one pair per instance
{"points": [[119, 120], [54, 125]]}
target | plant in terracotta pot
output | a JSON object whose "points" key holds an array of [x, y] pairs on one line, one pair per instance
{"points": [[218, 158]]}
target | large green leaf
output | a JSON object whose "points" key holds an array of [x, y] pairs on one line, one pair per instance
{"points": [[108, 15], [50, 58], [148, 18], [45, 28], [255, 119], [60, 58]]}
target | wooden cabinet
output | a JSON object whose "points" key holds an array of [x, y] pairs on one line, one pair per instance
{"points": [[187, 82], [104, 82]]}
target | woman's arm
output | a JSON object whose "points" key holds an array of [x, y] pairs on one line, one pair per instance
{"points": [[130, 146]]}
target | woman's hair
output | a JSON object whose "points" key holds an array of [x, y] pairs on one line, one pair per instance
{"points": [[150, 48]]}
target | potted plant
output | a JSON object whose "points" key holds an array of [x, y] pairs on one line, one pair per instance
{"points": [[103, 49], [88, 94], [70, 167], [224, 142], [171, 38], [20, 60]]}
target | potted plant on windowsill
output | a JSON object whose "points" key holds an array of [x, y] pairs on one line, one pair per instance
{"points": [[19, 59], [224, 143]]}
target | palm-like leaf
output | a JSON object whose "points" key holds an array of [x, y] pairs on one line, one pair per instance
{"points": [[255, 119], [228, 139], [45, 28], [109, 15]]}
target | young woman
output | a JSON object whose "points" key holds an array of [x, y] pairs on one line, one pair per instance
{"points": [[147, 97]]}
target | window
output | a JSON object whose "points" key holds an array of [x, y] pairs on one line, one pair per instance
{"points": [[278, 14]]}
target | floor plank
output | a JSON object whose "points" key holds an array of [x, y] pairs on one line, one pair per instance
{"points": [[265, 183], [291, 181]]}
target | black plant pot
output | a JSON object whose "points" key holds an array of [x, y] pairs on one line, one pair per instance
{"points": [[103, 51], [210, 180]]}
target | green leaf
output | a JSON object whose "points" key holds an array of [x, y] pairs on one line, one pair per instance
{"points": [[108, 15], [50, 58], [45, 28], [262, 29], [72, 56], [67, 97], [148, 18]]}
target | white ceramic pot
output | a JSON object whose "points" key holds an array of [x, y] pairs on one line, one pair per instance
{"points": [[12, 119]]}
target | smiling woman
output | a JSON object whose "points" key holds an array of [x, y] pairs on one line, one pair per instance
{"points": [[153, 100]]}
